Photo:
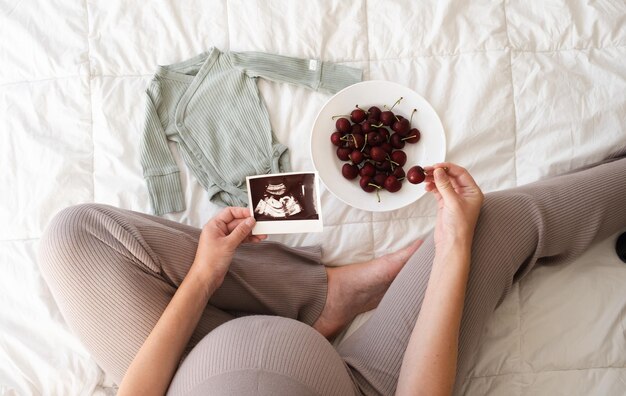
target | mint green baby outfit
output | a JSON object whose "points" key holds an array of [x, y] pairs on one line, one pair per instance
{"points": [[210, 106]]}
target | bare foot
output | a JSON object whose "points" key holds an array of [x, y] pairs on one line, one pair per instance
{"points": [[357, 288]]}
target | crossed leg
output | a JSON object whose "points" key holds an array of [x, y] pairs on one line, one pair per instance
{"points": [[546, 222], [113, 272]]}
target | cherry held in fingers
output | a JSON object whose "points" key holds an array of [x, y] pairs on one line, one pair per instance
{"points": [[416, 174]]}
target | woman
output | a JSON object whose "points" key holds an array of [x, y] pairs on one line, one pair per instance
{"points": [[143, 292]]}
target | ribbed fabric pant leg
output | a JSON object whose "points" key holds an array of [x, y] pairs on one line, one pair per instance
{"points": [[546, 222], [112, 272]]}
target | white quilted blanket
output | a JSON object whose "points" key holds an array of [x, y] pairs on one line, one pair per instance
{"points": [[525, 89]]}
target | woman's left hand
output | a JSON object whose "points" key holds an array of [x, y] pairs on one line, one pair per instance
{"points": [[219, 239]]}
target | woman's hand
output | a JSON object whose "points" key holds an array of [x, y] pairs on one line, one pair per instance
{"points": [[153, 368], [219, 239], [429, 364], [459, 200]]}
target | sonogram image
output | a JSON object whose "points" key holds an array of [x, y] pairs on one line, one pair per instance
{"points": [[284, 197]]}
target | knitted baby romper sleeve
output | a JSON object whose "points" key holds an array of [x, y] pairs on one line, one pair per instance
{"points": [[211, 108]]}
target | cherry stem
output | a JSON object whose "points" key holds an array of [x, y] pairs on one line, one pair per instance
{"points": [[366, 112], [409, 137], [413, 112], [364, 143], [374, 185], [397, 119], [397, 101], [377, 194], [378, 126], [392, 161], [402, 178], [339, 116]]}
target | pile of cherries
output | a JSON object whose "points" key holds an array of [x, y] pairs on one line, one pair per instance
{"points": [[371, 142]]}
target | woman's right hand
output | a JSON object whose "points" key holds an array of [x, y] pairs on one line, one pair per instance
{"points": [[459, 200]]}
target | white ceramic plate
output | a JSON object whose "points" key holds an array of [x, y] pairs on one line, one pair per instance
{"points": [[429, 150]]}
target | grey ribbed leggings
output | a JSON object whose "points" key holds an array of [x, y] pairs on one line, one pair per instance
{"points": [[112, 273]]}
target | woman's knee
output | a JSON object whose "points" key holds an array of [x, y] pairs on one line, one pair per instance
{"points": [[64, 238], [507, 212], [506, 238]]}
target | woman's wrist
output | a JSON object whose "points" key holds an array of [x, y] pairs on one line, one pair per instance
{"points": [[455, 242], [203, 276]]}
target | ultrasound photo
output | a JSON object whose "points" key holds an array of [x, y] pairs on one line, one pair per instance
{"points": [[288, 200]]}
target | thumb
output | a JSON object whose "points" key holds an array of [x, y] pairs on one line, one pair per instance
{"points": [[241, 232], [444, 186]]}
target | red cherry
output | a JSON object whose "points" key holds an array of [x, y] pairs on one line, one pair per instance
{"points": [[357, 115], [343, 125], [386, 117], [387, 147], [413, 136], [392, 184], [355, 140], [378, 154], [399, 156], [374, 110], [356, 128], [374, 115], [356, 157], [383, 166], [343, 153], [384, 134], [402, 127], [374, 139], [379, 179], [399, 172], [335, 139], [349, 171], [416, 175], [366, 127], [367, 170], [396, 141], [366, 184]]}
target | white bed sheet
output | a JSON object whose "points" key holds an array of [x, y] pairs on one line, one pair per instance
{"points": [[524, 90]]}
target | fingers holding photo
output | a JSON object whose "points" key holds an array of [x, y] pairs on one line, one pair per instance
{"points": [[231, 213]]}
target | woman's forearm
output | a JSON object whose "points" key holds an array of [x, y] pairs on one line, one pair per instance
{"points": [[429, 365], [152, 369]]}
